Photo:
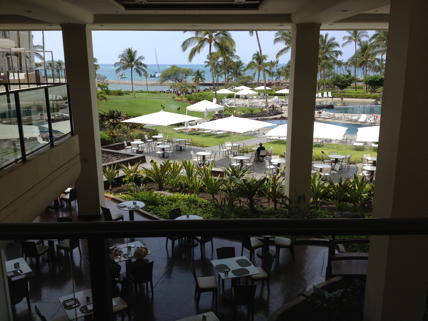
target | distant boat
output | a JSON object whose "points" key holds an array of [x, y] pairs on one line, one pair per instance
{"points": [[121, 76]]}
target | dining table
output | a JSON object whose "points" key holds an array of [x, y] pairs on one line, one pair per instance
{"points": [[80, 304], [321, 167], [16, 267], [371, 169], [242, 158], [131, 206], [234, 267], [125, 251], [180, 144], [336, 157], [203, 155], [163, 148]]}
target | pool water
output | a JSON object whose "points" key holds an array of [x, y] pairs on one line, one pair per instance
{"points": [[374, 109], [351, 129]]}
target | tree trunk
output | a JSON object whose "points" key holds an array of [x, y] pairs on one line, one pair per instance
{"points": [[212, 70], [147, 85], [264, 74], [355, 63], [132, 81]]}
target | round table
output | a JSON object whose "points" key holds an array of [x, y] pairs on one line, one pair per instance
{"points": [[189, 217], [241, 158], [371, 169], [157, 136], [277, 161], [181, 142], [336, 157], [163, 147], [321, 167], [203, 155], [131, 206], [372, 159]]}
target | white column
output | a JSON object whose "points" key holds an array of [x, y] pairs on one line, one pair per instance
{"points": [[301, 106], [81, 79], [397, 280], [5, 306]]}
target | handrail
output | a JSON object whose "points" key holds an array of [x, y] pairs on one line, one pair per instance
{"points": [[235, 227]]}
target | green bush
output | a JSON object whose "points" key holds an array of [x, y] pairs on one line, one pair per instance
{"points": [[105, 138], [161, 205], [374, 82], [118, 92], [203, 95]]}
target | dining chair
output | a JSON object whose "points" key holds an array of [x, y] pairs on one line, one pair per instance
{"points": [[202, 240], [264, 272], [68, 246], [143, 275], [108, 216], [244, 295], [282, 242], [251, 244], [204, 284], [172, 215], [68, 198], [225, 252], [39, 314], [32, 250], [19, 290]]}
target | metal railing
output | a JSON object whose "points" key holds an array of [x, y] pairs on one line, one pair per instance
{"points": [[32, 119], [97, 234]]}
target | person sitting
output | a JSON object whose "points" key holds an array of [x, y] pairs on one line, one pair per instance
{"points": [[139, 260], [260, 155]]}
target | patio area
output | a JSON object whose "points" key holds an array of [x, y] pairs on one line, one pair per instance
{"points": [[173, 296]]}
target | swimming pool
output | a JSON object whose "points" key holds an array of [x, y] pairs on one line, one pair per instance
{"points": [[373, 109], [351, 129]]}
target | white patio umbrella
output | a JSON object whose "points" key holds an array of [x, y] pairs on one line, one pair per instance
{"points": [[241, 88], [262, 88], [283, 91], [234, 124], [321, 130], [204, 106], [246, 92], [279, 132], [225, 91], [161, 118], [328, 131], [368, 134]]}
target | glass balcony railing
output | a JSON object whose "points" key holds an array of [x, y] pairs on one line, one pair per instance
{"points": [[31, 119]]}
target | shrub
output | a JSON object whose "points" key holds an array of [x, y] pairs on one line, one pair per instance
{"points": [[374, 82], [105, 138], [161, 205], [203, 95]]}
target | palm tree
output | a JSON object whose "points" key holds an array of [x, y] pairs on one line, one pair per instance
{"points": [[283, 37], [198, 76], [237, 69], [272, 66], [129, 59], [328, 54], [258, 65], [219, 40], [365, 57], [261, 56], [354, 36], [379, 41], [59, 67]]}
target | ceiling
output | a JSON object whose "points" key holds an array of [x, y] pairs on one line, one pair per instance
{"points": [[194, 14]]}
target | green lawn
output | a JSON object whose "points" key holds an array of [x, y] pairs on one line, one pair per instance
{"points": [[278, 148], [146, 103]]}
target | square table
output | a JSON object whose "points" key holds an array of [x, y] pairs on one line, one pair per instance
{"points": [[210, 316], [82, 298], [126, 255], [24, 268], [233, 264]]}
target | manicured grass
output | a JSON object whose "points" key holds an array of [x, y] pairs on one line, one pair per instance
{"points": [[146, 103], [200, 139], [278, 148]]}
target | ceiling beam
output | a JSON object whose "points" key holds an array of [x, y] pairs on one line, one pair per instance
{"points": [[329, 11], [50, 11]]}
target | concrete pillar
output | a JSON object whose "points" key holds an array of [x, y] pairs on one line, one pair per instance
{"points": [[301, 106], [81, 78], [397, 281], [5, 306]]}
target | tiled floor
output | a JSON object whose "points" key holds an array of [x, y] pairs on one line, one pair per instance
{"points": [[174, 285]]}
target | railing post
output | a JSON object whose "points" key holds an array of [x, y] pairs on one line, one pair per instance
{"points": [[48, 111], [100, 279], [20, 128]]}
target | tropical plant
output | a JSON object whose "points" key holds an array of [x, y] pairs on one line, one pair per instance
{"points": [[249, 188], [212, 185], [342, 81], [274, 189], [158, 173], [198, 76], [355, 37], [379, 41], [129, 59], [285, 38], [96, 65], [258, 65], [175, 74], [360, 193], [328, 55], [318, 190], [218, 40], [261, 60], [339, 193], [59, 67], [237, 171], [110, 173], [365, 57], [374, 82], [174, 179], [131, 173]]}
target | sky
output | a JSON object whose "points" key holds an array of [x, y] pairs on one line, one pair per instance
{"points": [[107, 45]]}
